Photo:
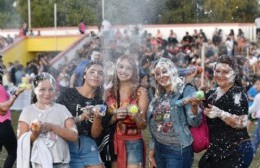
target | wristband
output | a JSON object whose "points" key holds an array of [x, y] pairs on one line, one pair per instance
{"points": [[15, 95]]}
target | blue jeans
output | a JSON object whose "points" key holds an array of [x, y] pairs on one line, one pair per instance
{"points": [[246, 151], [173, 156], [256, 140]]}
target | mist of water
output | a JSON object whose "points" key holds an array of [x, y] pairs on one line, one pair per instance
{"points": [[124, 12]]}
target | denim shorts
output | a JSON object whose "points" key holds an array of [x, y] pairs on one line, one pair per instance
{"points": [[167, 156], [134, 152], [84, 152]]}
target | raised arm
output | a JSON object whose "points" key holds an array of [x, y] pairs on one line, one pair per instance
{"points": [[5, 106]]}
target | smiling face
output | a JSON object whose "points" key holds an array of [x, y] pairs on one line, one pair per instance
{"points": [[124, 70], [224, 75], [165, 76], [94, 75], [45, 92]]}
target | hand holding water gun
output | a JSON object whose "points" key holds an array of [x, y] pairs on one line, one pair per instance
{"points": [[193, 100], [98, 110]]}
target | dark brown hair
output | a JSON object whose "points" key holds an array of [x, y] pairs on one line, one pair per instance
{"points": [[231, 61], [100, 90]]}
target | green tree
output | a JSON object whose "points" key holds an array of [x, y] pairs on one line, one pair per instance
{"points": [[69, 12], [9, 17], [206, 11], [230, 11], [41, 12], [179, 11]]}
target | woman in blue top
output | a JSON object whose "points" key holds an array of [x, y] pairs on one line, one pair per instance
{"points": [[168, 123]]}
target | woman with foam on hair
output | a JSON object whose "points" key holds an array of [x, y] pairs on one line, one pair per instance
{"points": [[170, 145], [44, 128], [84, 103], [226, 108], [7, 135], [128, 103]]}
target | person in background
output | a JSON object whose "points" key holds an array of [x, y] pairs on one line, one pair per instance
{"points": [[38, 33], [83, 103], [143, 78], [82, 27], [63, 79], [170, 145], [226, 108], [145, 83], [31, 33], [77, 76], [9, 39], [257, 24], [229, 46], [7, 135], [251, 93], [25, 29], [44, 128], [240, 41], [254, 109], [128, 103]]}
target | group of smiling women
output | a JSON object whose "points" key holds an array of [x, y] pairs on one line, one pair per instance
{"points": [[73, 131]]}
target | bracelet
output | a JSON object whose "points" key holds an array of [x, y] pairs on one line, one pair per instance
{"points": [[15, 95]]}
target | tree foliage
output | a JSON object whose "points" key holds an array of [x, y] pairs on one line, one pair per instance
{"points": [[8, 16], [208, 11], [69, 12]]}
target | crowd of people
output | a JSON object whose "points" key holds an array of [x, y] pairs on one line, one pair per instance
{"points": [[91, 112], [23, 31]]}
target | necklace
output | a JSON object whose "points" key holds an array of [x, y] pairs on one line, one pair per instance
{"points": [[43, 112], [49, 138]]}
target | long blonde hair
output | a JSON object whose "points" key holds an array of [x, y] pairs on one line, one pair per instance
{"points": [[134, 81]]}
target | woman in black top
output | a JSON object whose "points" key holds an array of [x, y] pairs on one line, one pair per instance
{"points": [[226, 108], [84, 103]]}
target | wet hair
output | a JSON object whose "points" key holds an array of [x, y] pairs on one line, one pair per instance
{"points": [[41, 77], [134, 81], [158, 88], [99, 91], [88, 65], [231, 61]]}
